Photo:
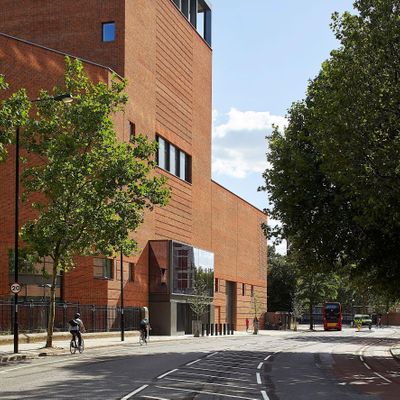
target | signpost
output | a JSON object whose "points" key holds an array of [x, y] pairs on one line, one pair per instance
{"points": [[15, 288]]}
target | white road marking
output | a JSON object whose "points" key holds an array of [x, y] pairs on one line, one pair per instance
{"points": [[366, 365], [213, 376], [167, 373], [208, 383], [224, 372], [128, 396], [212, 354], [228, 365], [264, 395], [266, 358], [155, 398], [206, 392], [193, 362], [260, 365], [258, 378], [361, 358], [382, 377]]}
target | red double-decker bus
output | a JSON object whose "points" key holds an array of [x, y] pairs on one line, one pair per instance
{"points": [[332, 316]]}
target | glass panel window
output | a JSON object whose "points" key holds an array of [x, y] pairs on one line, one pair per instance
{"points": [[172, 159], [182, 164], [161, 153], [103, 268], [108, 31], [190, 266]]}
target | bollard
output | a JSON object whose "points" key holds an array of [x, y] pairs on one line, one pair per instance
{"points": [[212, 329], [202, 329], [232, 329], [228, 330], [224, 329], [208, 329], [220, 329]]}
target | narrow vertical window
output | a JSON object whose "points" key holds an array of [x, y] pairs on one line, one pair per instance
{"points": [[182, 164], [188, 169], [172, 159], [216, 285], [252, 291], [243, 289], [131, 272], [132, 131], [109, 31], [161, 153]]}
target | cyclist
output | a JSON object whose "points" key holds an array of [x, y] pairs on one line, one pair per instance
{"points": [[76, 327], [144, 328]]}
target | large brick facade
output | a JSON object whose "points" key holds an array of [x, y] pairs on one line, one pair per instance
{"points": [[168, 67]]}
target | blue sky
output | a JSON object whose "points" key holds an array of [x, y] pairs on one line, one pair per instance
{"points": [[264, 53]]}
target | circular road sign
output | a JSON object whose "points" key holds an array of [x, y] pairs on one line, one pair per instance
{"points": [[15, 287]]}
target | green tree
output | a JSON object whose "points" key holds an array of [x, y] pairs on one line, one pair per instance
{"points": [[314, 288], [334, 177], [281, 282], [88, 190]]}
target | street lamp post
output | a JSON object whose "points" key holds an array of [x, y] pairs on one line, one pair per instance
{"points": [[122, 297], [65, 98]]}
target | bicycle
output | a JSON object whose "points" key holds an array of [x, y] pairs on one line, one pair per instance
{"points": [[73, 345]]}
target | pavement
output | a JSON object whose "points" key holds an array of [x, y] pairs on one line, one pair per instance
{"points": [[32, 345]]}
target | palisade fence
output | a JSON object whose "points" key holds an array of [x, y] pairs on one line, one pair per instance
{"points": [[33, 317]]}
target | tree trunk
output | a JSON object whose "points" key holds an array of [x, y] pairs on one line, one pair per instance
{"points": [[311, 317], [52, 305]]}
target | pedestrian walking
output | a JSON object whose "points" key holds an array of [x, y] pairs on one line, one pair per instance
{"points": [[247, 324]]}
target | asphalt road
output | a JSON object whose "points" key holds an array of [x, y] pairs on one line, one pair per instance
{"points": [[280, 365]]}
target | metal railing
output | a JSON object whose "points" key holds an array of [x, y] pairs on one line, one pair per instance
{"points": [[33, 317]]}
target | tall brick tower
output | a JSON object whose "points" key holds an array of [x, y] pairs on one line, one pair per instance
{"points": [[163, 48]]}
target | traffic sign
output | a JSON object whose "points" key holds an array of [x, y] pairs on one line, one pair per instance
{"points": [[15, 288]]}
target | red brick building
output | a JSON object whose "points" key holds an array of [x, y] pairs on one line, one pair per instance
{"points": [[163, 48]]}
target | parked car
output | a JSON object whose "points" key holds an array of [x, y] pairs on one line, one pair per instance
{"points": [[364, 319]]}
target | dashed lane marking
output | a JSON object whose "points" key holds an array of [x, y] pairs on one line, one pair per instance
{"points": [[258, 378], [264, 395], [129, 395], [260, 365], [193, 362], [167, 373], [212, 354], [213, 376], [209, 383], [224, 372], [266, 358], [382, 377], [366, 365], [206, 392]]}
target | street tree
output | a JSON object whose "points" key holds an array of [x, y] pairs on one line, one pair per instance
{"points": [[281, 281], [88, 191], [334, 176]]}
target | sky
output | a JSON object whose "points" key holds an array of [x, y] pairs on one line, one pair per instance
{"points": [[264, 54]]}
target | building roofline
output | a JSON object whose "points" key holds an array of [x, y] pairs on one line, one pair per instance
{"points": [[59, 52], [240, 198]]}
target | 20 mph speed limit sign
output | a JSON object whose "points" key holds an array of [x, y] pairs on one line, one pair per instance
{"points": [[15, 288]]}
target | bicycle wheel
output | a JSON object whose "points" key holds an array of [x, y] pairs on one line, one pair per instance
{"points": [[82, 346], [72, 346]]}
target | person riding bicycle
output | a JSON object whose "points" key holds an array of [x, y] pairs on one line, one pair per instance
{"points": [[144, 328], [76, 327]]}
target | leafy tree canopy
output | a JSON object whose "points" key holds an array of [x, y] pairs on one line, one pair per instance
{"points": [[88, 190], [334, 177]]}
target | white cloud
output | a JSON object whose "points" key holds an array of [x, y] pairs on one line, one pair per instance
{"points": [[247, 120], [239, 144]]}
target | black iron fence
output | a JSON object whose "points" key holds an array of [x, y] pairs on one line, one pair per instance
{"points": [[33, 317]]}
